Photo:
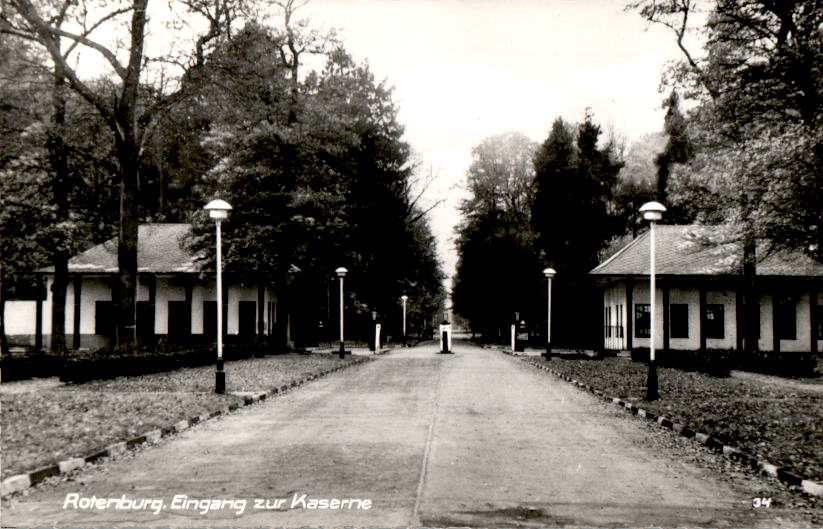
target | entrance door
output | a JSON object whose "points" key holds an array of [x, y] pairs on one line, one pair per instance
{"points": [[248, 321]]}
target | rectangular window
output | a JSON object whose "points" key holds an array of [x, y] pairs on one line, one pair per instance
{"points": [[179, 321], [715, 323], [145, 320], [642, 321], [104, 318], [819, 319], [248, 318], [787, 320], [609, 322], [271, 319], [210, 321], [679, 320], [620, 321]]}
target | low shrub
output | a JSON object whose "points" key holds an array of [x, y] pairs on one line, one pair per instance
{"points": [[717, 363], [31, 364], [106, 364], [720, 362], [784, 363]]}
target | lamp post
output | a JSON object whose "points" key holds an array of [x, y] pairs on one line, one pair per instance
{"points": [[549, 273], [219, 211], [652, 211], [341, 273], [404, 298]]}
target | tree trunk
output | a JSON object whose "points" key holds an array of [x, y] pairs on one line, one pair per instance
{"points": [[58, 305], [125, 294], [750, 294], [60, 188], [124, 123]]}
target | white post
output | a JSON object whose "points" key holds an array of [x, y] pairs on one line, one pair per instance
{"points": [[341, 309], [652, 211], [652, 301], [219, 210], [404, 316], [513, 336], [549, 318], [219, 295], [377, 338]]}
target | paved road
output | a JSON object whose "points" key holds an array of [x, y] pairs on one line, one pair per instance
{"points": [[471, 439]]}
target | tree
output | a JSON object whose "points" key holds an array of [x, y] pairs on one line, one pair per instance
{"points": [[129, 110], [637, 182], [678, 150], [755, 127], [574, 215], [757, 80], [54, 178], [317, 180], [498, 272]]}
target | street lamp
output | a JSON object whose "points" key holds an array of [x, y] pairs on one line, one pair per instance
{"points": [[549, 273], [652, 211], [219, 211], [341, 273], [404, 298]]}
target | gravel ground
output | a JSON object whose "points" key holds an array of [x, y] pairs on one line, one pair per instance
{"points": [[733, 472], [44, 422], [781, 424]]}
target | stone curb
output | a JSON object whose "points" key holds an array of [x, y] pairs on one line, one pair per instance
{"points": [[24, 481], [785, 475]]}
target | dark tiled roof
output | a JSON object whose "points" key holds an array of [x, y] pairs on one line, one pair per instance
{"points": [[700, 250], [159, 250]]}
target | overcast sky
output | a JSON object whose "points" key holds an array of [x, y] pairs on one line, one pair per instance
{"points": [[467, 69]]}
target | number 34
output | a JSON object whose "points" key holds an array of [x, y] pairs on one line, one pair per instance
{"points": [[757, 503]]}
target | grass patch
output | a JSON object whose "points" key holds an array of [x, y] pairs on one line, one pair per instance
{"points": [[43, 425], [782, 425]]}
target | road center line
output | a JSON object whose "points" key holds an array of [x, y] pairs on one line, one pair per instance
{"points": [[426, 453]]}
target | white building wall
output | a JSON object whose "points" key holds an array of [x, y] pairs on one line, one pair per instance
{"points": [[802, 342], [202, 291], [613, 297], [640, 296], [169, 288], [236, 295], [766, 324], [20, 317], [205, 291], [92, 289], [819, 342], [727, 298], [616, 294], [691, 298]]}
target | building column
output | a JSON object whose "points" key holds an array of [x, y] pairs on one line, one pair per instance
{"points": [[775, 321], [188, 286], [702, 319], [813, 323], [261, 311], [38, 316], [666, 316], [225, 322], [151, 283], [629, 314], [78, 281], [739, 318]]}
